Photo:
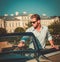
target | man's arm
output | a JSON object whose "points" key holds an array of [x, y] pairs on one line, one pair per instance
{"points": [[53, 45], [51, 41], [22, 41], [21, 44]]}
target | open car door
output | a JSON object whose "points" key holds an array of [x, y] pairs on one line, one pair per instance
{"points": [[14, 53]]}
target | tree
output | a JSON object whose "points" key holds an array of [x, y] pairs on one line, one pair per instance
{"points": [[19, 29], [55, 27], [17, 38], [55, 31], [2, 31], [29, 25]]}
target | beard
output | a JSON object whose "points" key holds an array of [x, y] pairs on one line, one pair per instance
{"points": [[35, 26], [38, 25]]}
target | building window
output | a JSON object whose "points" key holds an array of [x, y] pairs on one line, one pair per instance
{"points": [[12, 24]]}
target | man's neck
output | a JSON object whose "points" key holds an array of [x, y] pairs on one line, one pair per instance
{"points": [[38, 28]]}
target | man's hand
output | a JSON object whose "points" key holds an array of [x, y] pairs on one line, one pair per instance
{"points": [[55, 46], [21, 44], [52, 44]]}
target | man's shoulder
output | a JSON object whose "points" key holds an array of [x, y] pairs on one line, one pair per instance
{"points": [[30, 29], [45, 27]]}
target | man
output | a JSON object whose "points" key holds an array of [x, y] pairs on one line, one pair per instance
{"points": [[41, 32]]}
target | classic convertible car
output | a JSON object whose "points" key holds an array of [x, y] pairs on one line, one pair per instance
{"points": [[14, 53]]}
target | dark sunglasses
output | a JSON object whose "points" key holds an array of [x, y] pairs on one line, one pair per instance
{"points": [[33, 22]]}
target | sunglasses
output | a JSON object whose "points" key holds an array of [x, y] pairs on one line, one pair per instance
{"points": [[33, 22]]}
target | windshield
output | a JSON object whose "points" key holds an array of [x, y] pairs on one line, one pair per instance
{"points": [[8, 45]]}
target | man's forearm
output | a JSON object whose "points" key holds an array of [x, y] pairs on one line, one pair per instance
{"points": [[51, 42], [21, 44]]}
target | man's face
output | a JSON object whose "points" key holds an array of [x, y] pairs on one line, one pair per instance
{"points": [[34, 22]]}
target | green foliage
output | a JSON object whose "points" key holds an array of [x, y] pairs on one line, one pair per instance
{"points": [[55, 27], [55, 31], [2, 31], [19, 29], [29, 24]]}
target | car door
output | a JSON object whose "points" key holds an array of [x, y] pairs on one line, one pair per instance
{"points": [[11, 52]]}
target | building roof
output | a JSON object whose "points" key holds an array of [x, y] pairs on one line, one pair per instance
{"points": [[9, 18]]}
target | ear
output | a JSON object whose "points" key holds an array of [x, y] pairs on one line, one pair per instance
{"points": [[38, 21]]}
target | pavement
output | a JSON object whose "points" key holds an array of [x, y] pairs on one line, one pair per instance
{"points": [[51, 57]]}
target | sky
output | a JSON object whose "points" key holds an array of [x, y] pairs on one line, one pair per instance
{"points": [[48, 7]]}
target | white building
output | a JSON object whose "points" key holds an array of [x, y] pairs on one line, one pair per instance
{"points": [[1, 23], [10, 23]]}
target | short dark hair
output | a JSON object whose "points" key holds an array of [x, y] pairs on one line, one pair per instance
{"points": [[36, 16]]}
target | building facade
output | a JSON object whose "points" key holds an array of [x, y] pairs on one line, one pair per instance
{"points": [[10, 23], [1, 23]]}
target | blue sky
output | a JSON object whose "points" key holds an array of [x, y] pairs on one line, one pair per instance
{"points": [[48, 7]]}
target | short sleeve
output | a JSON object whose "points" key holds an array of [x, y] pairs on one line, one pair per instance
{"points": [[25, 38], [49, 36]]}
